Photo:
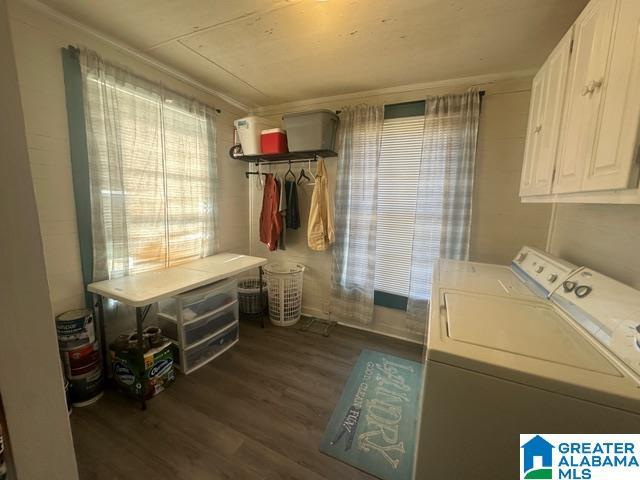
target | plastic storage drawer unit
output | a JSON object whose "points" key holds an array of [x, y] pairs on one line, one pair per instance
{"points": [[194, 319], [199, 302], [195, 331], [200, 354], [314, 130]]}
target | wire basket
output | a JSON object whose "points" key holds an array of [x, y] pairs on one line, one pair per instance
{"points": [[249, 295], [284, 282]]}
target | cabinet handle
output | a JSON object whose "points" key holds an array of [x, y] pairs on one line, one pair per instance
{"points": [[588, 88], [591, 87], [596, 84]]}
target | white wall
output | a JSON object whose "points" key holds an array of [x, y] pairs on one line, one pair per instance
{"points": [[30, 374], [496, 205], [38, 39], [603, 237]]}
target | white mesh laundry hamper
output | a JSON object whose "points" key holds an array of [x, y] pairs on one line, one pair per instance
{"points": [[284, 284]]}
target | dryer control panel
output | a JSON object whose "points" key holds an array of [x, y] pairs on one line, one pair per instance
{"points": [[607, 309], [541, 268]]}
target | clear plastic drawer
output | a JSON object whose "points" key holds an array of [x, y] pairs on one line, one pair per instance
{"points": [[200, 354], [196, 331], [198, 303]]}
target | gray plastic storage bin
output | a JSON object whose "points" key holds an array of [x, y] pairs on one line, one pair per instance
{"points": [[314, 130]]}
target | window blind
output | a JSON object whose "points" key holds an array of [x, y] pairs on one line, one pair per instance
{"points": [[398, 175], [405, 199]]}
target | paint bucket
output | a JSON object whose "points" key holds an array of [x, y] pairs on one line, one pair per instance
{"points": [[75, 329], [67, 389], [67, 395], [80, 355], [81, 360], [87, 388], [83, 370], [3, 465]]}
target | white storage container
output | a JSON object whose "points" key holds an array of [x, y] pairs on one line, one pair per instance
{"points": [[313, 130], [198, 303], [249, 130]]}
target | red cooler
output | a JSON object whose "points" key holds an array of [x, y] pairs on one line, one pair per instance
{"points": [[273, 140]]}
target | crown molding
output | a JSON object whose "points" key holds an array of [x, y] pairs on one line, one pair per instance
{"points": [[470, 81], [133, 52]]}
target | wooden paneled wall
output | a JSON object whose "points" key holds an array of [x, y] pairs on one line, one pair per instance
{"points": [[603, 237]]}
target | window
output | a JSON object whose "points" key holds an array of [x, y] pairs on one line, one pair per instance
{"points": [[152, 171], [399, 168], [415, 209]]}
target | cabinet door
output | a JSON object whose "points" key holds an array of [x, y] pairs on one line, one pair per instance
{"points": [[556, 83], [587, 74], [547, 100], [533, 141], [614, 165]]}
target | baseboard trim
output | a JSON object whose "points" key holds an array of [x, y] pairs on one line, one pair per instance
{"points": [[316, 312], [384, 334]]}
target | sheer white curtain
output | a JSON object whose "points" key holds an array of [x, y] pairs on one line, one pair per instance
{"points": [[152, 168], [353, 274], [445, 190]]}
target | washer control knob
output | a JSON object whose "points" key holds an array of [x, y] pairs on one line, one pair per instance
{"points": [[552, 278], [582, 291], [521, 257], [539, 269], [568, 286]]}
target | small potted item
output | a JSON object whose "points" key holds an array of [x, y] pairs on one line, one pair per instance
{"points": [[273, 140]]}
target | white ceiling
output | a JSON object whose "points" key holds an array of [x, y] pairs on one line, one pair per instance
{"points": [[265, 52]]}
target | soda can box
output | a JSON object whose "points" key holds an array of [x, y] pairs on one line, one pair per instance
{"points": [[157, 371]]}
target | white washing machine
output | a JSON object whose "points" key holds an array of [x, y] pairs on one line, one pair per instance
{"points": [[533, 273], [539, 347]]}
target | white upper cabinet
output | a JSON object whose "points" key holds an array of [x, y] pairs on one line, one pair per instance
{"points": [[547, 96], [584, 97], [584, 128], [614, 164], [533, 142]]}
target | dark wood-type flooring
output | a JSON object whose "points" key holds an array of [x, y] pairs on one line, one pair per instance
{"points": [[256, 412]]}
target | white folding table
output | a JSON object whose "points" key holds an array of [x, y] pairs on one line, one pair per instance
{"points": [[143, 290]]}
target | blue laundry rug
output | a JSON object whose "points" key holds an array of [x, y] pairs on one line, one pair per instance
{"points": [[373, 427]]}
